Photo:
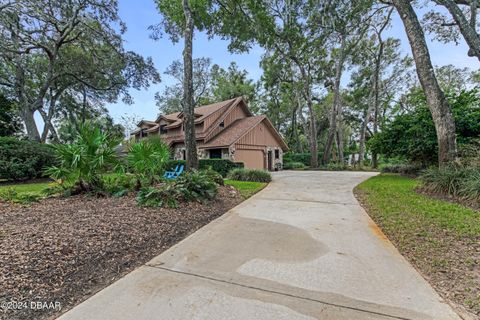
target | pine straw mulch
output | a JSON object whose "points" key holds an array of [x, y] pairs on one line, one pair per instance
{"points": [[66, 249]]}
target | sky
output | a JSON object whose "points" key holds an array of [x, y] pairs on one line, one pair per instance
{"points": [[140, 14]]}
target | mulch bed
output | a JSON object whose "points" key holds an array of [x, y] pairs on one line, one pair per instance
{"points": [[66, 249]]}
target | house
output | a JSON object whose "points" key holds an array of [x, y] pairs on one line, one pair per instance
{"points": [[224, 130]]}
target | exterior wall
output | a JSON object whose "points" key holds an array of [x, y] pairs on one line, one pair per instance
{"points": [[174, 131], [234, 114], [213, 117], [180, 147], [260, 138], [199, 128], [226, 153]]}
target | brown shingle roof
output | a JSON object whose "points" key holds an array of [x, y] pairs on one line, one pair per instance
{"points": [[202, 112], [234, 132]]}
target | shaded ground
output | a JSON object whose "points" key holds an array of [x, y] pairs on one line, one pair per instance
{"points": [[439, 238], [65, 249]]}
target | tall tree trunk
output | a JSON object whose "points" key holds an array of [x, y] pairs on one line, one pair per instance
{"points": [[332, 130], [438, 105], [374, 93], [303, 123], [188, 107], [30, 125], [341, 157], [467, 29], [312, 133], [375, 131]]}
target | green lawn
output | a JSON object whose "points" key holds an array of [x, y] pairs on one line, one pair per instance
{"points": [[440, 238], [24, 192], [393, 199], [36, 188], [246, 189]]}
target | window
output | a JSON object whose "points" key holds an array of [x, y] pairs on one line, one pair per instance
{"points": [[215, 153], [184, 154], [163, 130], [277, 154], [222, 124]]}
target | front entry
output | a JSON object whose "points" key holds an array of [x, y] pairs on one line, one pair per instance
{"points": [[269, 160]]}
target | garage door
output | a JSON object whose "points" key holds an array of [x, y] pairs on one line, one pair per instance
{"points": [[252, 159]]}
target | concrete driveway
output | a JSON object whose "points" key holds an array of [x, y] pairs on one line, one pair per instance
{"points": [[303, 248]]}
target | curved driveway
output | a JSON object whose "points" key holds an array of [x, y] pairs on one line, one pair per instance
{"points": [[303, 248]]}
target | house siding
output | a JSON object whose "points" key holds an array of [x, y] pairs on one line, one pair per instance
{"points": [[238, 112], [256, 148], [261, 139]]}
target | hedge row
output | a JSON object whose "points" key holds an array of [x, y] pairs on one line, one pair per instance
{"points": [[222, 166], [300, 157], [23, 159]]}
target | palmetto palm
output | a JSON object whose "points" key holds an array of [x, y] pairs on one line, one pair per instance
{"points": [[82, 162], [147, 159]]}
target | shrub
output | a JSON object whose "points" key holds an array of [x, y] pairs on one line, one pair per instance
{"points": [[214, 176], [333, 166], [450, 180], [147, 159], [407, 169], [300, 157], [250, 175], [196, 186], [82, 163], [118, 184], [471, 187], [165, 195], [293, 165], [191, 186], [23, 159], [222, 166]]}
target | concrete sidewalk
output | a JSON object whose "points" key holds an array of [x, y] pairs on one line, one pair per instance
{"points": [[302, 248]]}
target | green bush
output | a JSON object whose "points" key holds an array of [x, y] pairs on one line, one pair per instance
{"points": [[23, 159], [191, 186], [471, 187], [196, 186], [222, 166], [147, 160], [118, 184], [165, 195], [293, 165], [407, 169], [411, 134], [82, 163], [214, 176], [333, 166], [452, 180], [299, 157], [250, 175]]}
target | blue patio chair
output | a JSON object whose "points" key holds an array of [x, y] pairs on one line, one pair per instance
{"points": [[170, 173], [174, 174]]}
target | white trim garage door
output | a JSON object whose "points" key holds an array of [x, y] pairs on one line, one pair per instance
{"points": [[253, 159]]}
